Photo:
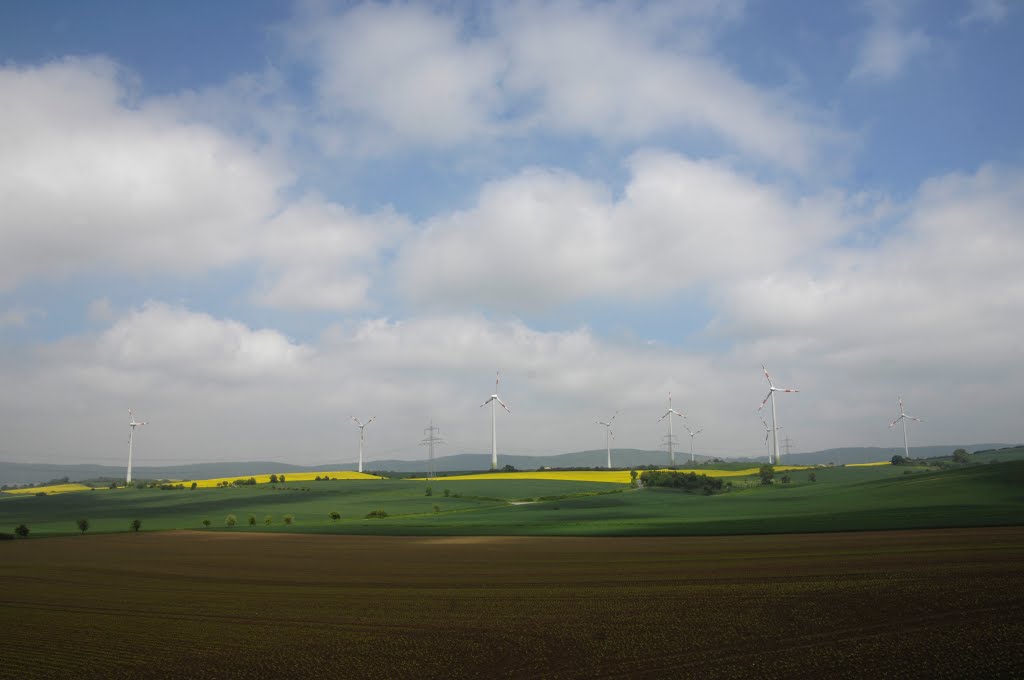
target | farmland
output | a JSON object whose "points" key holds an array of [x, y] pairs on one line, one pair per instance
{"points": [[935, 604]]}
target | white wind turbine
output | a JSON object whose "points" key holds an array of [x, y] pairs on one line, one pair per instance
{"points": [[772, 389], [767, 433], [609, 436], [362, 426], [493, 400], [904, 417], [692, 435], [132, 423], [671, 437]]}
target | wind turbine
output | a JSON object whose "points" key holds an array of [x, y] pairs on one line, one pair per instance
{"points": [[362, 426], [609, 436], [132, 423], [904, 417], [772, 389], [767, 431], [495, 399], [671, 439], [692, 435]]}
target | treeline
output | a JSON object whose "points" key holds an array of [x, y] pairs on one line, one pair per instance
{"points": [[690, 482]]}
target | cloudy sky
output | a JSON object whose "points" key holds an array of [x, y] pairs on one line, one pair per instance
{"points": [[251, 221]]}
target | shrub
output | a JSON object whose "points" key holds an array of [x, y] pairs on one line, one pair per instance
{"points": [[812, 477], [21, 530], [766, 473], [252, 520], [690, 482], [428, 492], [437, 509], [447, 493], [135, 525], [288, 519], [280, 478], [231, 520], [786, 479], [83, 525], [961, 456], [335, 516], [206, 522], [273, 479], [268, 520], [376, 513]]}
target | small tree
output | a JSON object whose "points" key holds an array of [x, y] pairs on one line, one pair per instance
{"points": [[273, 479], [447, 492], [766, 473], [899, 460], [961, 456], [21, 530], [83, 525], [428, 492], [194, 485], [231, 520], [335, 516], [437, 509], [632, 478], [812, 477], [136, 525], [288, 519], [206, 522], [280, 478], [786, 478], [268, 520], [252, 520]]}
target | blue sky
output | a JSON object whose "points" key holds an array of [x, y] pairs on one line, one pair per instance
{"points": [[252, 221]]}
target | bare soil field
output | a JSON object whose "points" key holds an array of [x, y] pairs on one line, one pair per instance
{"points": [[898, 604]]}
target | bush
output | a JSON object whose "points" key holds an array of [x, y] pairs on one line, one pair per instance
{"points": [[231, 520], [194, 485], [252, 520], [376, 513], [268, 520], [288, 519], [21, 530], [135, 525], [766, 473], [447, 493], [206, 522], [335, 516], [428, 492], [812, 477], [437, 509], [273, 479], [786, 479], [961, 456], [83, 525], [281, 479], [686, 481]]}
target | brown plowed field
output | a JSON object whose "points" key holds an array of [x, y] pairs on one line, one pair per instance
{"points": [[908, 604]]}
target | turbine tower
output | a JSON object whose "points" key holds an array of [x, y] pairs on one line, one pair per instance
{"points": [[671, 438], [904, 417], [362, 426], [767, 432], [772, 389], [609, 436], [493, 400], [132, 423], [692, 435]]}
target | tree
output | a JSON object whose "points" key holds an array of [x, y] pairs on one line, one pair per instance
{"points": [[281, 479], [437, 509], [632, 479], [273, 479], [447, 493], [268, 520], [194, 485], [252, 520], [21, 530], [288, 519], [83, 525], [786, 479], [899, 460], [766, 473], [428, 492], [335, 516], [206, 522], [508, 468], [812, 477], [231, 520], [961, 456], [136, 525]]}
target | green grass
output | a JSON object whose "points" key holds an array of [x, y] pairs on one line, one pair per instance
{"points": [[842, 499]]}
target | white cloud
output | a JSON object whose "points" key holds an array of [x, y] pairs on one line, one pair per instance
{"points": [[985, 12], [888, 47], [393, 74], [20, 316], [546, 238]]}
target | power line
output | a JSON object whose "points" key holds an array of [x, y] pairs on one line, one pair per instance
{"points": [[429, 441]]}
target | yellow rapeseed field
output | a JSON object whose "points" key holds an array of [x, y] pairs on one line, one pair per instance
{"points": [[881, 462], [53, 488], [289, 477]]}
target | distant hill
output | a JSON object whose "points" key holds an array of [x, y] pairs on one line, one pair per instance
{"points": [[34, 473]]}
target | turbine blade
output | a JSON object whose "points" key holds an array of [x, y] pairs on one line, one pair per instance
{"points": [[768, 377], [767, 432], [370, 420], [913, 418], [897, 420], [613, 418], [487, 402], [765, 400], [503, 404], [779, 389]]}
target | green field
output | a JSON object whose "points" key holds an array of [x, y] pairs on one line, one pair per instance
{"points": [[842, 499]]}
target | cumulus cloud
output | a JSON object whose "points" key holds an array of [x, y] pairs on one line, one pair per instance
{"points": [[545, 238], [403, 73], [888, 46]]}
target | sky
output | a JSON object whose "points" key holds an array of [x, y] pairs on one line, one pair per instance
{"points": [[250, 222]]}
